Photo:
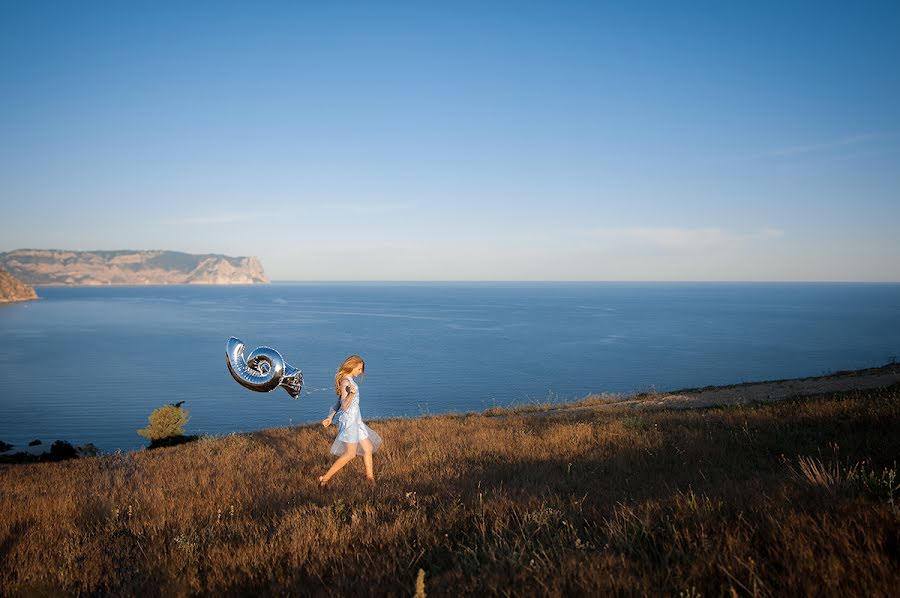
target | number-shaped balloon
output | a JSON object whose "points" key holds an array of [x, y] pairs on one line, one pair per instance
{"points": [[262, 370]]}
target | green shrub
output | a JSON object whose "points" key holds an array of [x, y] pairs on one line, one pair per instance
{"points": [[62, 450], [166, 423], [880, 485]]}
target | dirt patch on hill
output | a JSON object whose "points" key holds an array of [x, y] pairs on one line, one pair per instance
{"points": [[776, 390], [749, 392]]}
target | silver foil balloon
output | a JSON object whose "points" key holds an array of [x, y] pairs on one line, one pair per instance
{"points": [[262, 370]]}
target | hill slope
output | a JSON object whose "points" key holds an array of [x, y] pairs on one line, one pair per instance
{"points": [[13, 289], [59, 267], [793, 497]]}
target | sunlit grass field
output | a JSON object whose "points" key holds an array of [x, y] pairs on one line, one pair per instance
{"points": [[792, 498]]}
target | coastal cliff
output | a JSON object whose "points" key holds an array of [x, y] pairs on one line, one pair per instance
{"points": [[13, 289], [60, 267]]}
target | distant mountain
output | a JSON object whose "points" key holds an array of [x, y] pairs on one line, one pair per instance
{"points": [[13, 289], [60, 267]]}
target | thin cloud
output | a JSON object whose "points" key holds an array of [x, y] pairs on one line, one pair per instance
{"points": [[373, 207], [213, 219], [675, 238], [767, 233], [793, 150]]}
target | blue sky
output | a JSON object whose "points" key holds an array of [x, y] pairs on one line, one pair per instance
{"points": [[460, 141]]}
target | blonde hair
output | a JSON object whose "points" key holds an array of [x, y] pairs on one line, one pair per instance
{"points": [[348, 366]]}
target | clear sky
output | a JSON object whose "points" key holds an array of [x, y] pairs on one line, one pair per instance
{"points": [[460, 140]]}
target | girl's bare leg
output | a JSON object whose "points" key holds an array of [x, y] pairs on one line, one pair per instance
{"points": [[366, 445], [348, 456]]}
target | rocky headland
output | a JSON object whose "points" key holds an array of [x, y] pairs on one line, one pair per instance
{"points": [[61, 267], [13, 289]]}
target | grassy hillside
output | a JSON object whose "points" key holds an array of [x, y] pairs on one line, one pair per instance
{"points": [[797, 497]]}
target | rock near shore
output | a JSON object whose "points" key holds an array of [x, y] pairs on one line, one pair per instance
{"points": [[13, 289], [60, 267]]}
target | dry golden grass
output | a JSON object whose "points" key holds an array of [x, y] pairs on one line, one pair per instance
{"points": [[791, 498]]}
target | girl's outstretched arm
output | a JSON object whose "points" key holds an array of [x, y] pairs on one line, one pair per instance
{"points": [[337, 405], [327, 421]]}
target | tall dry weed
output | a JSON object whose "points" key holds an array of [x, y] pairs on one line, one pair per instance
{"points": [[829, 475]]}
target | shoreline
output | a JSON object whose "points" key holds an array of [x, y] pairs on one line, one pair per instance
{"points": [[21, 300]]}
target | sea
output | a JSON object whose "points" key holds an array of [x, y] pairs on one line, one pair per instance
{"points": [[89, 364]]}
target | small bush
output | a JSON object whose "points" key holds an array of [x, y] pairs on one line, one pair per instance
{"points": [[880, 485], [62, 450], [165, 423], [636, 423], [87, 450]]}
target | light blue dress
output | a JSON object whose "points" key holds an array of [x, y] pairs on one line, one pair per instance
{"points": [[352, 428]]}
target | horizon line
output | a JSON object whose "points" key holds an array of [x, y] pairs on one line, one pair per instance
{"points": [[420, 281]]}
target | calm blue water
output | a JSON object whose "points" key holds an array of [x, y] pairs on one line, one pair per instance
{"points": [[89, 364]]}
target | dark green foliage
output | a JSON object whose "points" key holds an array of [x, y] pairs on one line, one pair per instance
{"points": [[62, 450], [88, 450], [879, 483]]}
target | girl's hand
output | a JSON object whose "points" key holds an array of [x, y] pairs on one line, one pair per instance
{"points": [[326, 422]]}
